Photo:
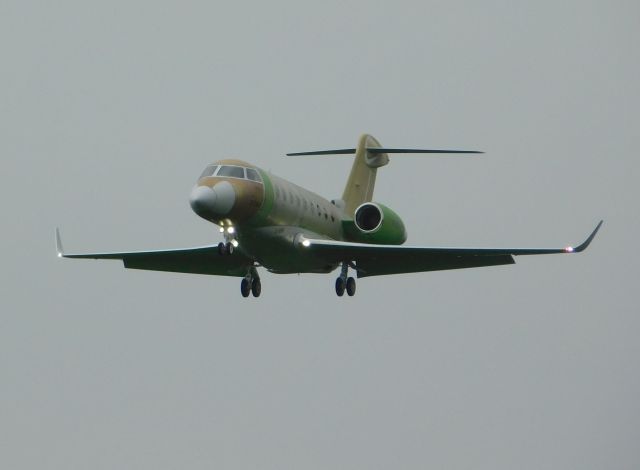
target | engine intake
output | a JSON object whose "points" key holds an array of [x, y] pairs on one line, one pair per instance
{"points": [[368, 217], [375, 223]]}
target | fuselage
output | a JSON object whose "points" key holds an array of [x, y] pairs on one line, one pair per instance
{"points": [[266, 215]]}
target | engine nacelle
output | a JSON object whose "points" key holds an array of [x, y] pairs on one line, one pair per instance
{"points": [[376, 223]]}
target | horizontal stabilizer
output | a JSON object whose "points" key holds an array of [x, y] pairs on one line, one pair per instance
{"points": [[324, 152], [386, 150], [375, 150]]}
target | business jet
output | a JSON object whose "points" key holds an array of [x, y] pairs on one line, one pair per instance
{"points": [[268, 222]]}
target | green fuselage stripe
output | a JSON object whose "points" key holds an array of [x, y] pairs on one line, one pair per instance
{"points": [[263, 213]]}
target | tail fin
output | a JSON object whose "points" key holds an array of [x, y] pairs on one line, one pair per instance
{"points": [[369, 156], [362, 179]]}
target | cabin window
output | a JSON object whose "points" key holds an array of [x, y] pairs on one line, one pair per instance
{"points": [[209, 171], [232, 171], [253, 175]]}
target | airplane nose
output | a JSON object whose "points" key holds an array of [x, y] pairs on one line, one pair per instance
{"points": [[201, 199], [213, 202]]}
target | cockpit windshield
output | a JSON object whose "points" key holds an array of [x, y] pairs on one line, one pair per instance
{"points": [[231, 171], [253, 175], [209, 171]]}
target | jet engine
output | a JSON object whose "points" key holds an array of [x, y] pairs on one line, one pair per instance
{"points": [[376, 223]]}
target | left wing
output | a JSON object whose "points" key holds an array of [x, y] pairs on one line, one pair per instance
{"points": [[376, 260], [200, 260]]}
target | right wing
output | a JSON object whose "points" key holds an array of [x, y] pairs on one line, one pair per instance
{"points": [[376, 260], [200, 260]]}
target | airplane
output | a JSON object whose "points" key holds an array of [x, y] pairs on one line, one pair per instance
{"points": [[269, 222]]}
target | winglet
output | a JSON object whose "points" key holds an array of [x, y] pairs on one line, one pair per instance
{"points": [[59, 248], [585, 243]]}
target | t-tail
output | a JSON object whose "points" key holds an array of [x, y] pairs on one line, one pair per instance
{"points": [[369, 156]]}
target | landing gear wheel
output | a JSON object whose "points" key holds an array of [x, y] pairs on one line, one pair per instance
{"points": [[229, 248], [351, 287], [222, 248], [256, 287], [340, 286], [245, 287]]}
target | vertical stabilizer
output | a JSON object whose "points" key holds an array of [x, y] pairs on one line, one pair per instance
{"points": [[370, 156], [362, 179]]}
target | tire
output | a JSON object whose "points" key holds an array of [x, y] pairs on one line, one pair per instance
{"points": [[245, 287], [340, 286], [256, 287], [229, 248], [351, 287], [222, 249]]}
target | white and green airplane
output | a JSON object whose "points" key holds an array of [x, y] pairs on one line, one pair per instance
{"points": [[269, 222]]}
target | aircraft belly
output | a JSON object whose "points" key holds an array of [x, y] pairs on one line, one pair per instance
{"points": [[274, 248]]}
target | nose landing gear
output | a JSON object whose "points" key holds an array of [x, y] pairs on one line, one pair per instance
{"points": [[230, 243], [226, 248], [345, 283]]}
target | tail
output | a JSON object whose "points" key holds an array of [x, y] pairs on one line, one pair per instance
{"points": [[362, 179], [369, 156]]}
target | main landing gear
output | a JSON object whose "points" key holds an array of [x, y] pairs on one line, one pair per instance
{"points": [[250, 284], [345, 283]]}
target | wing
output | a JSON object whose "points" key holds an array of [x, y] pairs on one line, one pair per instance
{"points": [[200, 260], [376, 260]]}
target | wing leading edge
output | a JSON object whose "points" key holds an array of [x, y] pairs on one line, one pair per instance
{"points": [[199, 260], [376, 260]]}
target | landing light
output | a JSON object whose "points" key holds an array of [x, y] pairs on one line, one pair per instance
{"points": [[306, 243], [569, 249], [234, 243], [231, 230], [221, 229]]}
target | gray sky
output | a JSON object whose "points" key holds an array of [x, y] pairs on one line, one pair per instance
{"points": [[110, 110]]}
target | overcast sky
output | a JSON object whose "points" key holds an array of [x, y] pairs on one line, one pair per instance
{"points": [[110, 110]]}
